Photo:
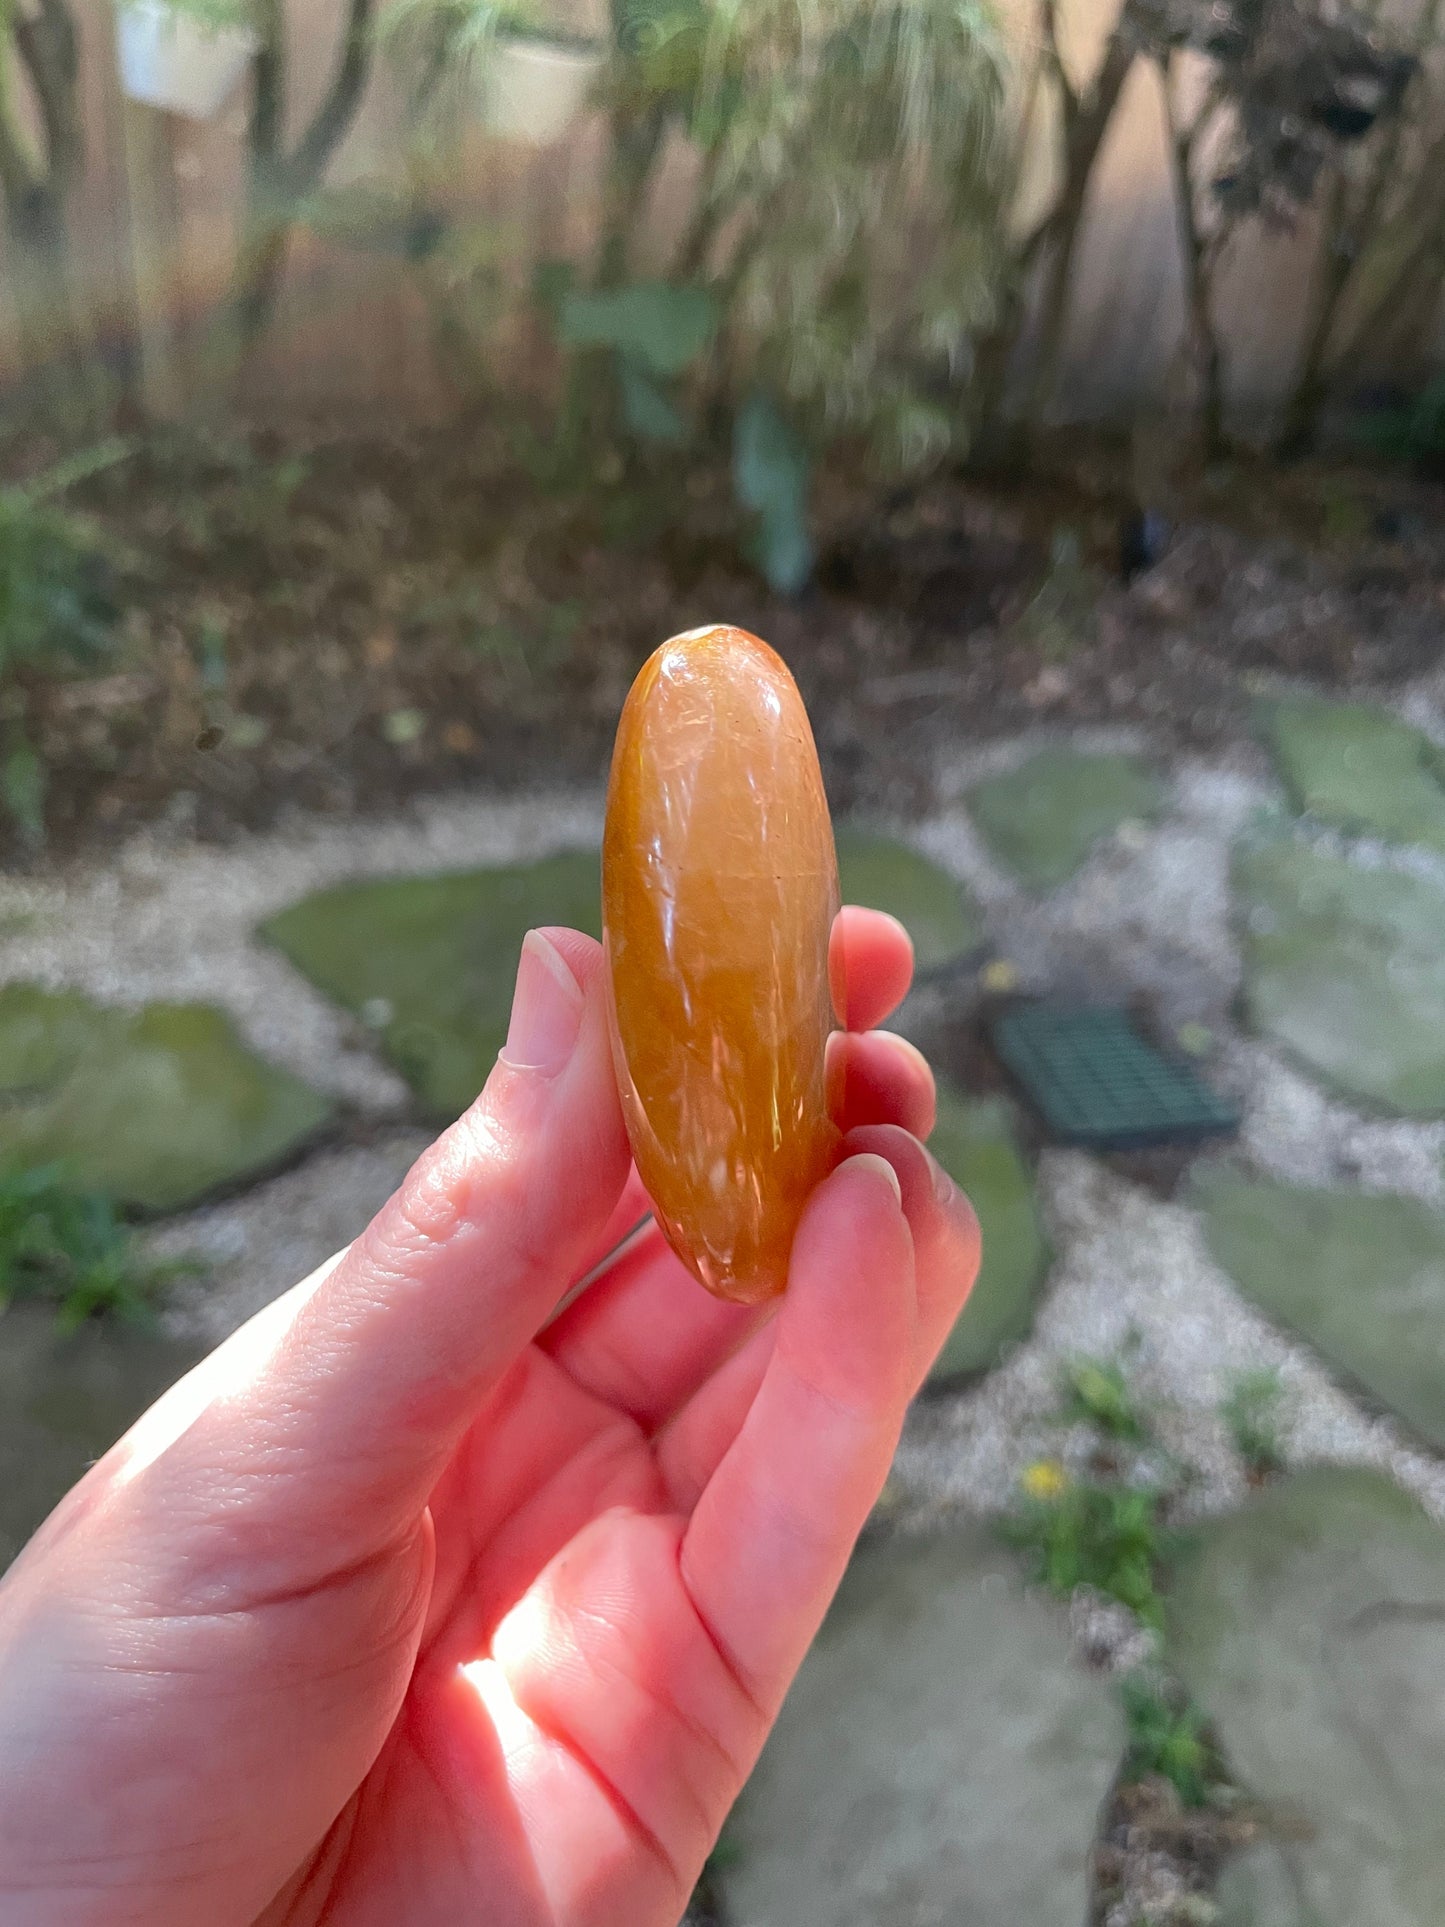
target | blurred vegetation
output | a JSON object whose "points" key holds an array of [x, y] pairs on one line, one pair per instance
{"points": [[1252, 1412], [1412, 431], [57, 611], [880, 247], [69, 1247], [1167, 1736], [1097, 1392], [1105, 1536]]}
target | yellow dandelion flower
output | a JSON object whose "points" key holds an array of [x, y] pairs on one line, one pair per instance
{"points": [[1045, 1479]]}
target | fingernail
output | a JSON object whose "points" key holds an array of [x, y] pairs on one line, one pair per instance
{"points": [[877, 1168], [546, 1009], [943, 1185]]}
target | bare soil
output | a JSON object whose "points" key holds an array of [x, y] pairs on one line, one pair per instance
{"points": [[337, 621]]}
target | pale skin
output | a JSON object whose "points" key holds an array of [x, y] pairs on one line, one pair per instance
{"points": [[409, 1606]]}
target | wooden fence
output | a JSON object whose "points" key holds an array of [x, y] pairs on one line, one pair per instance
{"points": [[156, 224]]}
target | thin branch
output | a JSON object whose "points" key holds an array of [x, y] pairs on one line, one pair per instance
{"points": [[1198, 257], [19, 170], [268, 92], [46, 40], [1053, 58], [334, 116]]}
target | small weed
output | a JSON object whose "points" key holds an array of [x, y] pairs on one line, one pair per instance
{"points": [[1096, 1392], [1082, 1534], [1166, 1736], [1252, 1413], [68, 1246]]}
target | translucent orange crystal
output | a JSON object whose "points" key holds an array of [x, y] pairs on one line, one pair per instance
{"points": [[719, 889]]}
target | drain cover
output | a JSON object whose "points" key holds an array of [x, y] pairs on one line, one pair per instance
{"points": [[1095, 1079]]}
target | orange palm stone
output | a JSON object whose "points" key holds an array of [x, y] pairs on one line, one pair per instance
{"points": [[719, 889]]}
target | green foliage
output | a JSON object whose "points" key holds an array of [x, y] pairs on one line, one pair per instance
{"points": [[771, 472], [23, 785], [56, 603], [441, 48], [1414, 432], [57, 607], [68, 1246], [1251, 1411], [1107, 1537], [857, 156], [1166, 1736], [1096, 1392], [647, 410], [650, 326]]}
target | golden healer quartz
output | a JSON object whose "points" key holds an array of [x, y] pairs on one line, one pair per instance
{"points": [[719, 890]]}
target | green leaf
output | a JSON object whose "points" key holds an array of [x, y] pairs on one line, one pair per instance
{"points": [[648, 412], [655, 327], [772, 469]]}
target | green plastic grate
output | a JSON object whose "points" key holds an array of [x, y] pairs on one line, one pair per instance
{"points": [[1094, 1079]]}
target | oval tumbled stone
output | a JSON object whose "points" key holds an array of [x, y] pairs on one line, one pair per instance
{"points": [[719, 890]]}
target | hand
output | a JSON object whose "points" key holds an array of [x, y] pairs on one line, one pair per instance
{"points": [[394, 1613]]}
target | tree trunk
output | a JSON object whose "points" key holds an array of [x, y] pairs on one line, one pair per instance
{"points": [[1197, 259], [263, 268], [52, 338], [36, 187], [1086, 123], [279, 182], [1300, 421], [636, 144]]}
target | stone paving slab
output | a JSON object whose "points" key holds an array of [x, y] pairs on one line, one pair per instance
{"points": [[154, 1107], [1044, 817], [1345, 966], [1311, 1626], [976, 1143], [939, 1760], [937, 910], [1361, 1277], [428, 963], [1360, 768]]}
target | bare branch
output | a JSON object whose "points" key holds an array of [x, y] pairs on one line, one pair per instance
{"points": [[19, 170], [1053, 59], [268, 90], [47, 43], [337, 111]]}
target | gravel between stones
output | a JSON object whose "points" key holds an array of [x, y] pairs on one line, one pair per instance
{"points": [[1148, 912], [170, 919]]}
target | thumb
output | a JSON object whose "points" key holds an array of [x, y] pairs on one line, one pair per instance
{"points": [[323, 1425]]}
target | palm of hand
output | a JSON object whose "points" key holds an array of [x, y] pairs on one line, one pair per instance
{"points": [[394, 1614], [615, 1671]]}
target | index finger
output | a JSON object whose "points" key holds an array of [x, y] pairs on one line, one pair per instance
{"points": [[870, 966]]}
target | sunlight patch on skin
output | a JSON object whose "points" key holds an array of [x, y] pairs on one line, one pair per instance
{"points": [[233, 1369], [517, 1735]]}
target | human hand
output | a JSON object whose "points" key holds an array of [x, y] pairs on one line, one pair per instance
{"points": [[401, 1609]]}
